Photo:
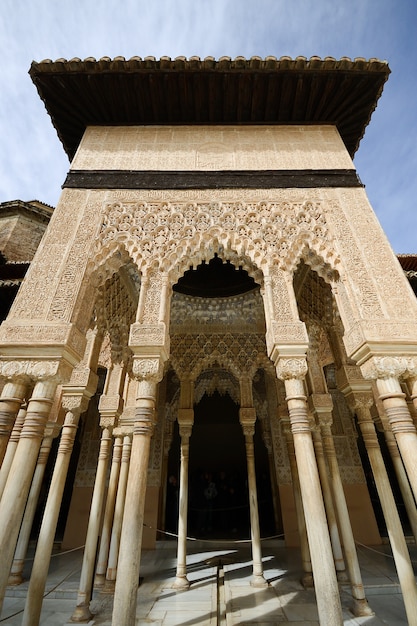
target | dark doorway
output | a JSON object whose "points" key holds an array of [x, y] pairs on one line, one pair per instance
{"points": [[218, 490]]}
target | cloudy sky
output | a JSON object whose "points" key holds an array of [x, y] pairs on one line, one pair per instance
{"points": [[33, 163]]}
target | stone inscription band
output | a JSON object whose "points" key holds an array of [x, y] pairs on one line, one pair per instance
{"points": [[250, 179]]}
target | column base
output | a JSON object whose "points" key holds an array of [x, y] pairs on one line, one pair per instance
{"points": [[15, 579], [181, 583], [81, 615], [99, 580], [361, 608], [307, 580], [342, 576], [109, 586], [258, 581]]}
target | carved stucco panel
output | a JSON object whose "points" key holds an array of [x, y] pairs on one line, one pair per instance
{"points": [[73, 272], [166, 232], [387, 276]]}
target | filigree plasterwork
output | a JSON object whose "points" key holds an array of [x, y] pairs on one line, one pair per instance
{"points": [[241, 353], [384, 275], [218, 380], [264, 232], [242, 312]]}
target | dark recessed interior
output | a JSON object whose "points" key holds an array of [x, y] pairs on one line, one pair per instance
{"points": [[215, 279]]}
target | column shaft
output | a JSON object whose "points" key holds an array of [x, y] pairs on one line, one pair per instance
{"points": [[16, 573], [307, 578], [404, 485], [33, 606], [82, 611], [124, 609], [330, 510], [11, 449], [402, 425], [395, 531], [21, 473], [181, 581], [360, 607], [118, 514], [327, 592], [258, 579], [109, 513], [10, 401]]}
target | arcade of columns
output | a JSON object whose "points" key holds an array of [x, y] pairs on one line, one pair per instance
{"points": [[316, 343]]}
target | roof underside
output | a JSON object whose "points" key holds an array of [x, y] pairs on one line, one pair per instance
{"points": [[146, 91]]}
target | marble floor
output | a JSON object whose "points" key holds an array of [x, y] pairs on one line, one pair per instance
{"points": [[220, 593]]}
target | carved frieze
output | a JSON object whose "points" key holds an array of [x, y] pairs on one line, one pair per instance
{"points": [[262, 231]]}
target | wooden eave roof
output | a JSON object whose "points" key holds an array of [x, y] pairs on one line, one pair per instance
{"points": [[408, 262], [146, 91]]}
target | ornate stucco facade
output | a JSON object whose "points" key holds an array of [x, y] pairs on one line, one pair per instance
{"points": [[203, 253]]}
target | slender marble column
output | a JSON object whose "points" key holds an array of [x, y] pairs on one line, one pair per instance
{"points": [[292, 371], [82, 611], [307, 578], [118, 515], [258, 579], [385, 371], [392, 520], [11, 398], [33, 606], [11, 448], [125, 595], [21, 473], [328, 504], [181, 580], [407, 494], [360, 604], [108, 514], [16, 573]]}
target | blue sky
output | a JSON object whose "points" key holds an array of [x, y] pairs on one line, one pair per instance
{"points": [[33, 163]]}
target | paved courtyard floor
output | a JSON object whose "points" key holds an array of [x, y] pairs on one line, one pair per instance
{"points": [[220, 593]]}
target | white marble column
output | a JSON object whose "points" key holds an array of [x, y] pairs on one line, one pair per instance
{"points": [[307, 578], [185, 419], [11, 447], [386, 372], [360, 603], [82, 610], [185, 422], [16, 572], [108, 514], [11, 399], [21, 473], [74, 406], [406, 492], [293, 371], [329, 506], [149, 372], [361, 404], [118, 515], [247, 419]]}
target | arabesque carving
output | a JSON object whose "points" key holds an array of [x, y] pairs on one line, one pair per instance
{"points": [[262, 231]]}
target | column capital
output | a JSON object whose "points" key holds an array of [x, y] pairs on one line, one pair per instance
{"points": [[148, 368], [291, 367], [383, 367], [75, 403], [320, 403], [247, 416], [185, 417], [36, 369]]}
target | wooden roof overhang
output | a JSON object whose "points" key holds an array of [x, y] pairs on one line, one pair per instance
{"points": [[192, 91]]}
